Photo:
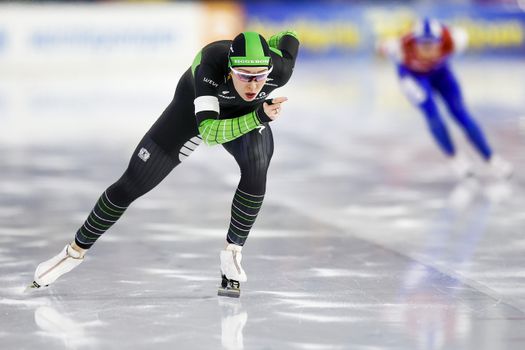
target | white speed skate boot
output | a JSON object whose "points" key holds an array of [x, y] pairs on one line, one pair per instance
{"points": [[500, 168], [231, 271], [462, 167], [48, 271]]}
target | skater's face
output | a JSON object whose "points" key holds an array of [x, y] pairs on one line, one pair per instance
{"points": [[248, 81], [428, 50]]}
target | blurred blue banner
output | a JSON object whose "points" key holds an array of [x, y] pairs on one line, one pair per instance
{"points": [[346, 29]]}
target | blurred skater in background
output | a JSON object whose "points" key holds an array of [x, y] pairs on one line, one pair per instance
{"points": [[422, 59]]}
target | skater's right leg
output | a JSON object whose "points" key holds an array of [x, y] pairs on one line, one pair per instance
{"points": [[147, 167], [170, 140], [419, 92]]}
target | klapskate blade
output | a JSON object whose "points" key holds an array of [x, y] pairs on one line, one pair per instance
{"points": [[31, 287], [228, 292]]}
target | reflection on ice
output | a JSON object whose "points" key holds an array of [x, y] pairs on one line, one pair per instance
{"points": [[23, 302], [233, 320], [57, 325], [322, 304], [462, 194], [498, 192], [357, 243], [433, 311], [312, 346], [285, 294], [315, 317], [187, 275], [325, 272]]}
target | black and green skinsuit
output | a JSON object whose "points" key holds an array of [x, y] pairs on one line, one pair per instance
{"points": [[205, 108]]}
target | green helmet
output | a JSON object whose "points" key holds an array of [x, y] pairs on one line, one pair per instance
{"points": [[249, 49]]}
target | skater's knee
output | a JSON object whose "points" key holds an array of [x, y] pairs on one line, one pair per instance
{"points": [[462, 117], [125, 190], [435, 122], [254, 173], [256, 165], [255, 185]]}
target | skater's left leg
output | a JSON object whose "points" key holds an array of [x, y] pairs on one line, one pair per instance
{"points": [[253, 153], [140, 177], [449, 88]]}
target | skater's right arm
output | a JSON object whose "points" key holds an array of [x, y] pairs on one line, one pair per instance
{"points": [[218, 131]]}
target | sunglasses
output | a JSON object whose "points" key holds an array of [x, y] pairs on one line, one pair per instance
{"points": [[248, 77]]}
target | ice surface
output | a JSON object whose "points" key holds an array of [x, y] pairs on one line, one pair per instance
{"points": [[365, 240]]}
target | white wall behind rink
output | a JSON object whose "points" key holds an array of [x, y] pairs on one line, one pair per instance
{"points": [[75, 72], [94, 38]]}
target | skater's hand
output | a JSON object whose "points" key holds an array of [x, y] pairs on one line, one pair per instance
{"points": [[272, 108]]}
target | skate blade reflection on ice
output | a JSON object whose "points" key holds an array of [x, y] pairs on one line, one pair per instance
{"points": [[233, 320], [463, 194], [55, 324], [498, 191]]}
